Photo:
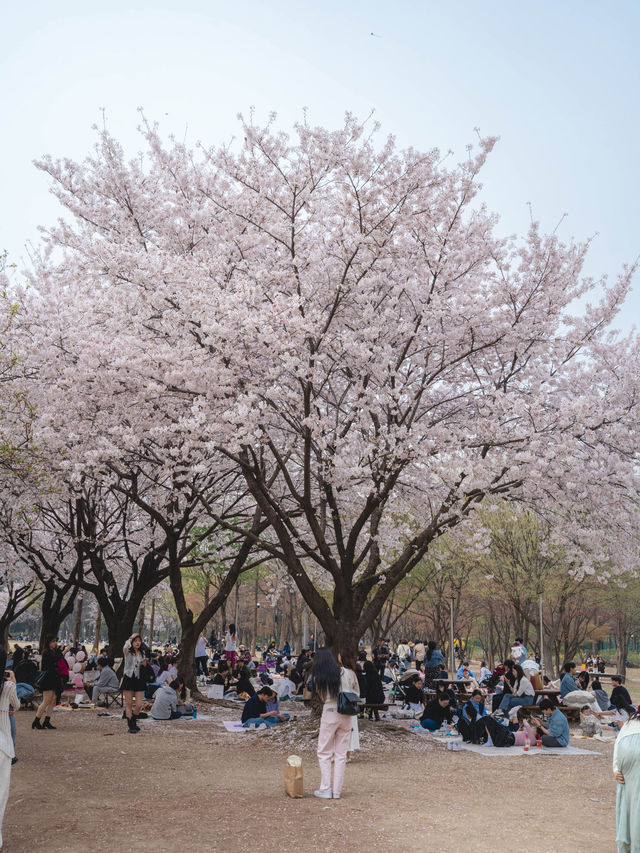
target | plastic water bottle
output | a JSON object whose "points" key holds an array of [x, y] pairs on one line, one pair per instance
{"points": [[539, 742], [526, 742], [195, 713]]}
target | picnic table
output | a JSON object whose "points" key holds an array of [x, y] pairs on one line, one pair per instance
{"points": [[460, 684], [601, 675], [547, 691]]}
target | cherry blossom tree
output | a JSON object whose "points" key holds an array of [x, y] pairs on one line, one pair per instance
{"points": [[341, 323]]}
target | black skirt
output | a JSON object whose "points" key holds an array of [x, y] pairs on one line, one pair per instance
{"points": [[130, 682]]}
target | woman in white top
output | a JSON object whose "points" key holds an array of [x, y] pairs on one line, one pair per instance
{"points": [[522, 691], [328, 680], [202, 659], [348, 660], [8, 698], [626, 772], [230, 644], [133, 683]]}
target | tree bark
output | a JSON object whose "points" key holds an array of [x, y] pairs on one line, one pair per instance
{"points": [[152, 619], [96, 634], [141, 615], [57, 604], [78, 623]]}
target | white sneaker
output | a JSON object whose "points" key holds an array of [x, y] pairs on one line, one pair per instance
{"points": [[325, 794], [336, 796]]}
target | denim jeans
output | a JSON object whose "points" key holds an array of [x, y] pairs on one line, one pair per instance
{"points": [[510, 701]]}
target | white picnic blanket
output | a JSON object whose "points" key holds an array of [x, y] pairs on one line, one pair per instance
{"points": [[519, 750], [235, 726]]}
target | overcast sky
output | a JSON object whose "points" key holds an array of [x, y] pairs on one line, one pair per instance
{"points": [[559, 82]]}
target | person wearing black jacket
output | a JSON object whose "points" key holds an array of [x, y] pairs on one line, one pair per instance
{"points": [[374, 689], [49, 684], [620, 697], [436, 713], [413, 693]]}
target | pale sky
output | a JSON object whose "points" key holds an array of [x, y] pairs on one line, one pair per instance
{"points": [[559, 82]]}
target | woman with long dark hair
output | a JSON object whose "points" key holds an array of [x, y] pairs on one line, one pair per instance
{"points": [[329, 679], [626, 772], [50, 684], [133, 683], [8, 697]]}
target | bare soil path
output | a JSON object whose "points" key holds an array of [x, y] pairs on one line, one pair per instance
{"points": [[188, 786]]}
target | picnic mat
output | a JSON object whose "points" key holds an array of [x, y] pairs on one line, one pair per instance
{"points": [[235, 726], [519, 750]]}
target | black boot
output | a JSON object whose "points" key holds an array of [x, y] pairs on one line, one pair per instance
{"points": [[36, 724], [131, 724], [135, 727], [47, 724]]}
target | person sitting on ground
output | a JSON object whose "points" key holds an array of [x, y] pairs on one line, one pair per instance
{"points": [[572, 695], [472, 711], [255, 709], [554, 730], [185, 706], [525, 730], [244, 687], [273, 705], [620, 697], [602, 696], [165, 701], [286, 689], [164, 675], [522, 692], [374, 691], [436, 713], [107, 682]]}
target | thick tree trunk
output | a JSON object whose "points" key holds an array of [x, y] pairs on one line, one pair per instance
{"points": [[78, 623], [343, 635], [622, 642], [254, 639], [187, 661], [96, 634], [141, 615], [55, 609], [120, 628], [152, 619]]}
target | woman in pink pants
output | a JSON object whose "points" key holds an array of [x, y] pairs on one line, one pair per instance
{"points": [[335, 729]]}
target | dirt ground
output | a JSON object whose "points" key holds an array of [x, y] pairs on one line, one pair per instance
{"points": [[189, 785]]}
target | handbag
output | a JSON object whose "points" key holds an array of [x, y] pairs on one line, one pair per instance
{"points": [[348, 703], [40, 678]]}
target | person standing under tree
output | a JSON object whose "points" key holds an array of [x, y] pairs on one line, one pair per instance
{"points": [[202, 660], [230, 643], [133, 683], [328, 680], [347, 660], [49, 684]]}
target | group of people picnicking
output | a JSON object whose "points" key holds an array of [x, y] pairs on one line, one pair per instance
{"points": [[500, 707]]}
